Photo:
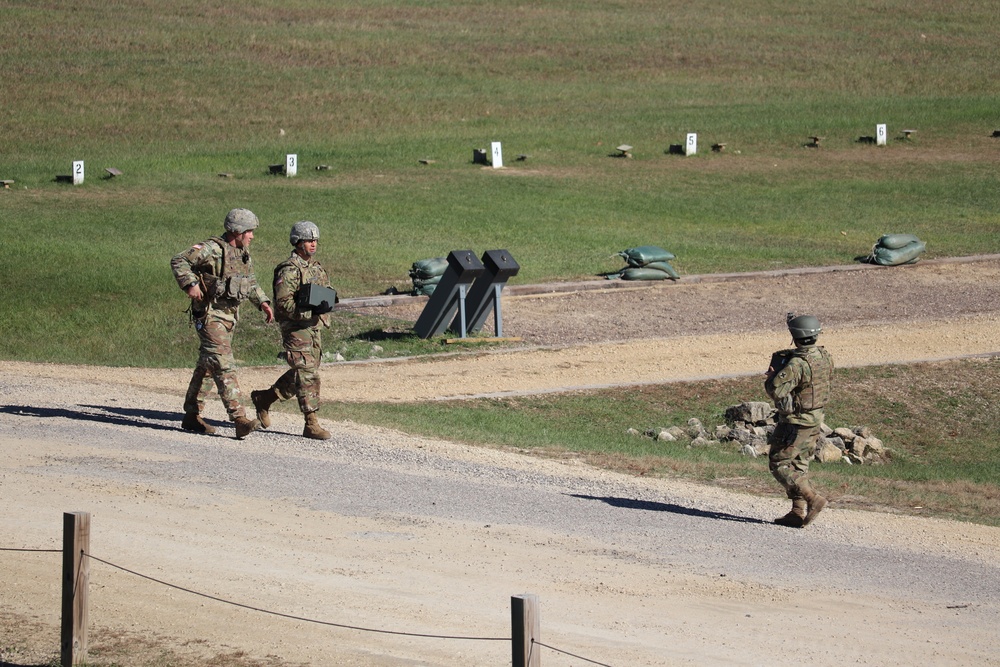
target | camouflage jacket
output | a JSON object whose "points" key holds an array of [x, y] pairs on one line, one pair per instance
{"points": [[225, 274], [801, 386], [289, 276]]}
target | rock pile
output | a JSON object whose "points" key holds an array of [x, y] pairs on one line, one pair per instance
{"points": [[750, 423]]}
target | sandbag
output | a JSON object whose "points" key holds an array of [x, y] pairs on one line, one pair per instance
{"points": [[644, 273], [908, 254], [425, 290], [429, 268], [896, 241], [424, 282], [665, 267], [643, 255]]}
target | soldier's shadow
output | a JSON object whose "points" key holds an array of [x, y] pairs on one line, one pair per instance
{"points": [[103, 414], [653, 506]]}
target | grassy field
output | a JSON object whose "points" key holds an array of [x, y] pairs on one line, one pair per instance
{"points": [[174, 93]]}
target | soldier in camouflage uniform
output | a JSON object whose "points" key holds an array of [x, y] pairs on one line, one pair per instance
{"points": [[799, 381], [300, 331], [218, 275]]}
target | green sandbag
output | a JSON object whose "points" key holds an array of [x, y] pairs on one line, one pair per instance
{"points": [[896, 241], [908, 254], [429, 268], [665, 267], [644, 273], [424, 282], [425, 290], [643, 255]]}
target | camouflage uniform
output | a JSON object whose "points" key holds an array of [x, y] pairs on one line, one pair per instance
{"points": [[300, 331], [800, 385], [227, 278]]}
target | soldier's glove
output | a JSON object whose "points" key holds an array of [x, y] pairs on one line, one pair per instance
{"points": [[323, 308]]}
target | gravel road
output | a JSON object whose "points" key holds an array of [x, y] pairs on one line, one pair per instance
{"points": [[380, 530]]}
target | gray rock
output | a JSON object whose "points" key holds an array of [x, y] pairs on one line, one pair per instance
{"points": [[845, 434], [677, 432], [742, 435], [695, 429], [828, 452], [749, 411]]}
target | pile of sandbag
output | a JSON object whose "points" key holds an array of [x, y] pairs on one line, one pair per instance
{"points": [[648, 262], [896, 249], [426, 274]]}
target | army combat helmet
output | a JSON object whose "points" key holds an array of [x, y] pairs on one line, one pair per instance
{"points": [[240, 220], [803, 326], [303, 230]]}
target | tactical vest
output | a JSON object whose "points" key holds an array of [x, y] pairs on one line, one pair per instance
{"points": [[312, 273], [235, 280], [814, 392]]}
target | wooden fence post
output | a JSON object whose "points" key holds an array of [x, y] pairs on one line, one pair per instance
{"points": [[75, 581], [525, 621]]}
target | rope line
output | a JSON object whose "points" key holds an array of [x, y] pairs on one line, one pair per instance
{"points": [[572, 655], [292, 617], [40, 551]]}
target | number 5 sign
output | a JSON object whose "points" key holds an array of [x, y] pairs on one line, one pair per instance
{"points": [[691, 147]]}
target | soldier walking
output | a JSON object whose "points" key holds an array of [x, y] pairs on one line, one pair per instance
{"points": [[300, 331], [799, 381], [218, 276]]}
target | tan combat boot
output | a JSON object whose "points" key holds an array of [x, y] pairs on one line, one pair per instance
{"points": [[795, 518], [193, 422], [262, 401], [313, 429], [815, 504], [245, 427]]}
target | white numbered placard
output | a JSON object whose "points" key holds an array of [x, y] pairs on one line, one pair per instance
{"points": [[497, 155], [77, 172], [880, 135], [291, 164], [691, 145]]}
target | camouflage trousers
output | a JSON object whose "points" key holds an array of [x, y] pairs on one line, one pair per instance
{"points": [[792, 447], [215, 366], [302, 352]]}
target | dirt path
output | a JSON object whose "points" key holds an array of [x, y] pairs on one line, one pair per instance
{"points": [[380, 530], [663, 333]]}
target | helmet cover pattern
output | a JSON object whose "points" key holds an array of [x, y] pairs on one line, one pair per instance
{"points": [[303, 230], [240, 220]]}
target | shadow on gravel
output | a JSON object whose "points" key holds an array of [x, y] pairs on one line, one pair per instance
{"points": [[651, 506], [104, 415]]}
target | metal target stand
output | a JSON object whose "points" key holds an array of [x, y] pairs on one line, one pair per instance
{"points": [[468, 291]]}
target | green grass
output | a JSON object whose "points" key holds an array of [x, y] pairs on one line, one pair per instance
{"points": [[174, 93], [939, 421]]}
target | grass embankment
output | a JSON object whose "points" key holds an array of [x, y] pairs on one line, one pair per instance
{"points": [[174, 94], [939, 420]]}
